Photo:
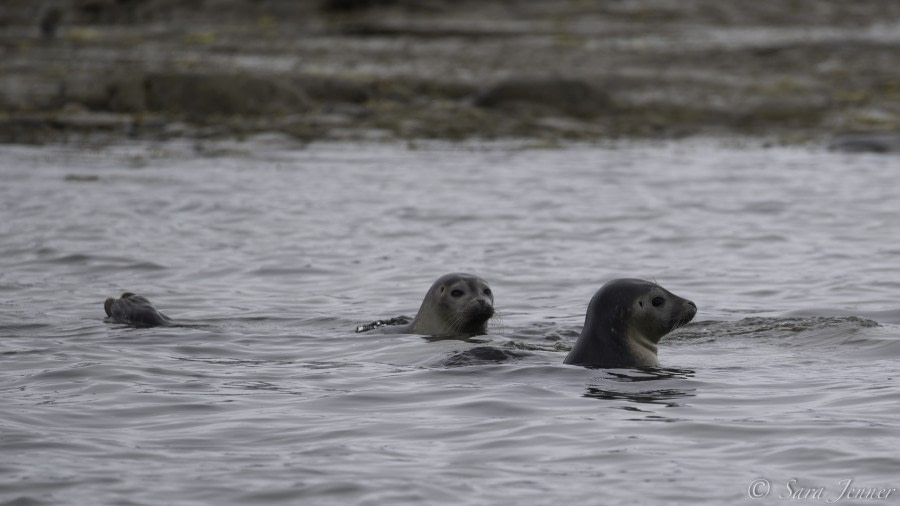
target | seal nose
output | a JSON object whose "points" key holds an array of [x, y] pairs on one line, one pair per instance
{"points": [[485, 307]]}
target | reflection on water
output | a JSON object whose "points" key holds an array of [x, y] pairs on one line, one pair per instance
{"points": [[629, 385]]}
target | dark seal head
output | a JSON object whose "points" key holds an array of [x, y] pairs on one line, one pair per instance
{"points": [[136, 310], [625, 320], [457, 304]]}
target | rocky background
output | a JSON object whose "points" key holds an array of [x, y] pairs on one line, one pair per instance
{"points": [[787, 70]]}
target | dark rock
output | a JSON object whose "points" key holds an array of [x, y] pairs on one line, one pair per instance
{"points": [[335, 89], [570, 96], [28, 130], [353, 5], [49, 22], [219, 94], [108, 11], [867, 143], [126, 95]]}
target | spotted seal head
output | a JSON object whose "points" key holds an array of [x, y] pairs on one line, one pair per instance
{"points": [[136, 310], [457, 304], [625, 320]]}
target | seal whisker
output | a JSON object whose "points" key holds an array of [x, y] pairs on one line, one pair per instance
{"points": [[460, 320], [455, 322], [496, 321]]}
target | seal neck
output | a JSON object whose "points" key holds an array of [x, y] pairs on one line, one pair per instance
{"points": [[606, 342], [643, 350]]}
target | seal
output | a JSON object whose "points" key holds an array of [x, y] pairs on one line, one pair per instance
{"points": [[457, 304], [625, 320], [136, 310]]}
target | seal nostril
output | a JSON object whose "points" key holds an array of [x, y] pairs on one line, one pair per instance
{"points": [[691, 303]]}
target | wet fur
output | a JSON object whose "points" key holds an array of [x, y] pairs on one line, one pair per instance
{"points": [[622, 326], [135, 310]]}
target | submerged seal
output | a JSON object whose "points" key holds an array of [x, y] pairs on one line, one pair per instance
{"points": [[625, 320], [136, 310], [457, 304]]}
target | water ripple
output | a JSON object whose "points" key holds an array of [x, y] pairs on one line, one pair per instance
{"points": [[269, 258]]}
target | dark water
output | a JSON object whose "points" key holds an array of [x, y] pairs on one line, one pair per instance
{"points": [[272, 254]]}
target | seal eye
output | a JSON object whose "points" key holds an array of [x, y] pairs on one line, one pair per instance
{"points": [[658, 301], [487, 291], [456, 293]]}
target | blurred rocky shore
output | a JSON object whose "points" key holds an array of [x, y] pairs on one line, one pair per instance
{"points": [[787, 70]]}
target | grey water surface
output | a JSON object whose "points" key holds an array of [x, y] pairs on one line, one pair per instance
{"points": [[270, 255]]}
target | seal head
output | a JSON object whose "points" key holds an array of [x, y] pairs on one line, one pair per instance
{"points": [[457, 304], [625, 320], [136, 310]]}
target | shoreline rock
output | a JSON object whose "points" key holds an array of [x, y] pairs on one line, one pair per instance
{"points": [[553, 70]]}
